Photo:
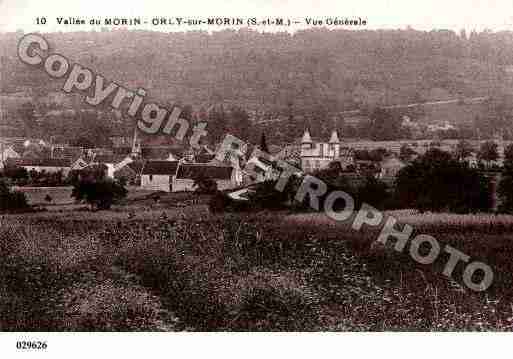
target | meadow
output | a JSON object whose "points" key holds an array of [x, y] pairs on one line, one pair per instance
{"points": [[174, 269]]}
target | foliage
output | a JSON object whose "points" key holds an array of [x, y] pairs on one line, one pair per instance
{"points": [[16, 173], [406, 153], [100, 194], [384, 125], [505, 186], [463, 150], [11, 200], [437, 182], [488, 152], [205, 185], [373, 192], [263, 144]]}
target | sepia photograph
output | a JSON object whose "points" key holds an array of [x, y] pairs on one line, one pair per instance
{"points": [[302, 168]]}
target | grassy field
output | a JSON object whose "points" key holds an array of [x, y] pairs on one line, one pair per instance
{"points": [[168, 268]]}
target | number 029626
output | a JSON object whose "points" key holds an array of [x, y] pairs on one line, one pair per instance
{"points": [[31, 345]]}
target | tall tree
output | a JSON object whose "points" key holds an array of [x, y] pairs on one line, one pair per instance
{"points": [[463, 150], [505, 188], [438, 182], [488, 152], [263, 144]]}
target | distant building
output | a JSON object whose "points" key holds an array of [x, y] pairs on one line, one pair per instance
{"points": [[158, 175], [110, 161], [6, 153], [318, 155], [390, 167], [224, 176], [79, 164]]}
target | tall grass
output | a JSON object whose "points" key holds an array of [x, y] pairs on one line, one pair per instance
{"points": [[261, 271]]}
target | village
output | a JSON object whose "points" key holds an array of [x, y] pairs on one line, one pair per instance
{"points": [[174, 168]]}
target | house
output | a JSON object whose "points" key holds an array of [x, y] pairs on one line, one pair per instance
{"points": [[64, 151], [7, 153], [110, 161], [390, 167], [290, 153], [261, 170], [161, 153], [79, 164], [318, 155], [49, 165], [129, 172], [224, 176], [158, 175]]}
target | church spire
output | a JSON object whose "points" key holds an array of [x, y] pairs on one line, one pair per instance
{"points": [[136, 145], [306, 137], [334, 137]]}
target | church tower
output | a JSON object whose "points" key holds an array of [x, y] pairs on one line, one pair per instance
{"points": [[306, 141], [334, 144], [136, 145]]}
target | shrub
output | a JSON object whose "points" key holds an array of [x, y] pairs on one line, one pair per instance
{"points": [[273, 300], [437, 182], [221, 202], [205, 185], [11, 201], [100, 194]]}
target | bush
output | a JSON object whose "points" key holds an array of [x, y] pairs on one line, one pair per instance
{"points": [[100, 194], [205, 185], [221, 202], [437, 182], [274, 300], [11, 201]]}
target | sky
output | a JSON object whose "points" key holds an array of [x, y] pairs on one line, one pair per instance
{"points": [[495, 15]]}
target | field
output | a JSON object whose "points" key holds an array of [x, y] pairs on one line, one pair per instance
{"points": [[152, 266]]}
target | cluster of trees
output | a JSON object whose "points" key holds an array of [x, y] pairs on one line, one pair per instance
{"points": [[436, 181], [95, 188], [21, 177], [11, 200], [100, 194], [505, 186]]}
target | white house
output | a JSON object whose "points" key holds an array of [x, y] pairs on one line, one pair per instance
{"points": [[6, 153], [224, 176], [158, 175], [318, 155]]}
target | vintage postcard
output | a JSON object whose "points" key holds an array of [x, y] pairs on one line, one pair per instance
{"points": [[243, 166]]}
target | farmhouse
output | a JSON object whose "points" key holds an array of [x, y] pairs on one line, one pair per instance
{"points": [[224, 176], [158, 175]]}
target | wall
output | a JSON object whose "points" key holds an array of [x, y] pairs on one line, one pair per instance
{"points": [[157, 183]]}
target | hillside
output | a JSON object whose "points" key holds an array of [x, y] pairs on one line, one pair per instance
{"points": [[311, 72]]}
